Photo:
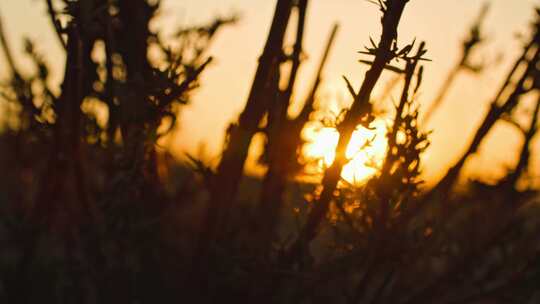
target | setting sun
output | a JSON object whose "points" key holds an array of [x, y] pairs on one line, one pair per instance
{"points": [[365, 151]]}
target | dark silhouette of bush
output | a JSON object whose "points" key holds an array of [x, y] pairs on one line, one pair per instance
{"points": [[93, 211]]}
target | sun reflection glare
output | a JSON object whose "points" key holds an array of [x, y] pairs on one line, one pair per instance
{"points": [[365, 151]]}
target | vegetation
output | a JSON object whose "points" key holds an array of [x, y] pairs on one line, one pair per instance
{"points": [[94, 210]]}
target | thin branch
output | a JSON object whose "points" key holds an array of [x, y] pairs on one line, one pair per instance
{"points": [[7, 51], [56, 23], [525, 154], [308, 107], [494, 114], [469, 45], [183, 87]]}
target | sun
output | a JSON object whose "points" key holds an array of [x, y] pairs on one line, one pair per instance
{"points": [[365, 152]]}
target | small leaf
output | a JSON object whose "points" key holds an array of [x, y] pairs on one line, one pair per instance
{"points": [[350, 87]]}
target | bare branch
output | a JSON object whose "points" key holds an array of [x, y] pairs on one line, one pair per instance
{"points": [[56, 23]]}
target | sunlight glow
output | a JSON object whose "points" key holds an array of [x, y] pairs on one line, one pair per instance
{"points": [[365, 152]]}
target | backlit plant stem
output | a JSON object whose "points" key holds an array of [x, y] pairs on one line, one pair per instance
{"points": [[360, 108], [494, 114]]}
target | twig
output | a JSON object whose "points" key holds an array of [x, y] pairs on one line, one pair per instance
{"points": [[56, 23], [308, 107], [524, 155], [7, 51], [469, 45]]}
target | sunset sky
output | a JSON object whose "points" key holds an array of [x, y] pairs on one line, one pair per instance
{"points": [[443, 24]]}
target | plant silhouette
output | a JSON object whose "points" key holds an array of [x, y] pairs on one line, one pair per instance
{"points": [[94, 208]]}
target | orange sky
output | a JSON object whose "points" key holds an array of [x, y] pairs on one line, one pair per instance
{"points": [[225, 85]]}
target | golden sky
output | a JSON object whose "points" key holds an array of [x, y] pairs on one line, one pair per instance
{"points": [[225, 85]]}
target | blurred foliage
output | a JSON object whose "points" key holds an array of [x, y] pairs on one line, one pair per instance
{"points": [[94, 210]]}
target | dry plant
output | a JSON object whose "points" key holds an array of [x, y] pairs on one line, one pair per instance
{"points": [[92, 210], [469, 46]]}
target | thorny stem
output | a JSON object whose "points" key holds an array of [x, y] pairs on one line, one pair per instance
{"points": [[383, 187], [361, 107], [392, 140]]}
